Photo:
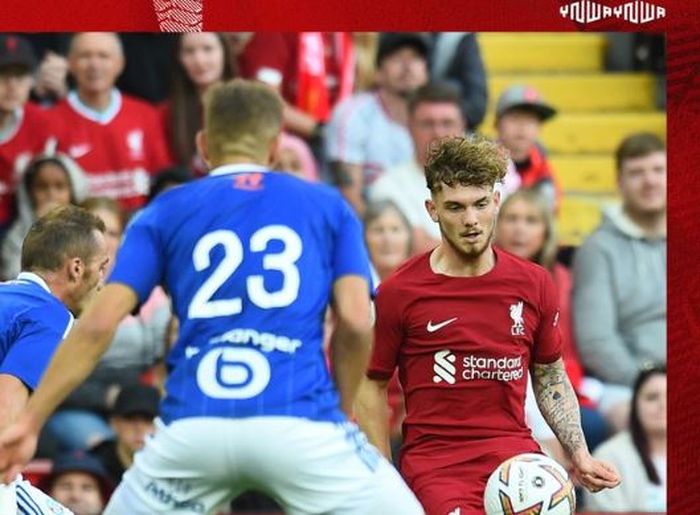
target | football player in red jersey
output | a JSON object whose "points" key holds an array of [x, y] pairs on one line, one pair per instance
{"points": [[464, 323]]}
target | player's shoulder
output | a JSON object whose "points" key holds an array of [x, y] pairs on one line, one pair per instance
{"points": [[512, 263], [30, 301], [403, 278]]}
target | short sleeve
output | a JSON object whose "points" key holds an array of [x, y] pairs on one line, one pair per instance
{"points": [[346, 133], [388, 334], [140, 261], [548, 336], [39, 335], [350, 254]]}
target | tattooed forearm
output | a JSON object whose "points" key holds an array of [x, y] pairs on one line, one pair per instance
{"points": [[557, 401]]}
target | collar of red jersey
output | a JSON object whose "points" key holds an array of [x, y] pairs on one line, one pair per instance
{"points": [[33, 278], [238, 168]]}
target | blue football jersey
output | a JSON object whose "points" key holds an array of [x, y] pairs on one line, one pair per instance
{"points": [[32, 324], [249, 258]]}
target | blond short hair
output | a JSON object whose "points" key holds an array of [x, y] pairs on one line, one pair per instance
{"points": [[241, 118]]}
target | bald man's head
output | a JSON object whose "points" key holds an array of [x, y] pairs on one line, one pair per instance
{"points": [[95, 59]]}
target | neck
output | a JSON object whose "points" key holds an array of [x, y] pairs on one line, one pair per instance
{"points": [[57, 286], [126, 457], [446, 260], [657, 444], [238, 160], [519, 156], [96, 100], [7, 118], [653, 224], [396, 106]]}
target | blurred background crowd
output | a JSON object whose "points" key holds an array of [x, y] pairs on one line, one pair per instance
{"points": [[109, 121]]}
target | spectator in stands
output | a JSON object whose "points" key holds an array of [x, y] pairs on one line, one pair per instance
{"points": [[368, 132], [640, 453], [313, 71], [455, 57], [294, 156], [23, 127], [118, 140], [389, 237], [80, 483], [203, 59], [132, 420], [620, 277], [520, 113], [435, 111], [49, 180], [168, 178], [138, 345], [527, 229]]}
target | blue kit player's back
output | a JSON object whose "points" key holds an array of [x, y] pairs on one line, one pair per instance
{"points": [[249, 257]]}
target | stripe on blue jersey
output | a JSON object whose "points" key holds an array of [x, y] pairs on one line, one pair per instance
{"points": [[23, 496]]}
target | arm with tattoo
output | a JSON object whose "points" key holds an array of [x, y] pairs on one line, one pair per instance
{"points": [[557, 401]]}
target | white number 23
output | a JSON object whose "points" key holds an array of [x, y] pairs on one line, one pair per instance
{"points": [[202, 305]]}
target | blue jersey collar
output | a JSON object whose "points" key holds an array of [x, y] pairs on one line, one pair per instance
{"points": [[237, 168], [33, 278]]}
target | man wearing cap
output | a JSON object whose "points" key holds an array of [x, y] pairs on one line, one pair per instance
{"points": [[79, 482], [23, 127], [520, 113], [131, 420], [368, 132]]}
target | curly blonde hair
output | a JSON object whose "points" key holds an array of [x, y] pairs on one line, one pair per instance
{"points": [[465, 160]]}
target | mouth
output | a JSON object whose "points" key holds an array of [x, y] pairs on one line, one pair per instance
{"points": [[471, 235]]}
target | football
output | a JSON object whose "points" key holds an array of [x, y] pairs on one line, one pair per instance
{"points": [[529, 484]]}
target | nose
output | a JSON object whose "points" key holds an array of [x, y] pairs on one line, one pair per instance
{"points": [[470, 218]]}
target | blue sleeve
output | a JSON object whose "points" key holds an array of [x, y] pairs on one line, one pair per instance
{"points": [[350, 254], [38, 337], [139, 263]]}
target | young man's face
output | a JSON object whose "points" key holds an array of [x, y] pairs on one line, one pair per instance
{"points": [[431, 121], [403, 71], [519, 130], [466, 216], [642, 182], [132, 430], [79, 492], [15, 86], [87, 283]]}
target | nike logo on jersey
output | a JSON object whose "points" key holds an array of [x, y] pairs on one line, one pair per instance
{"points": [[434, 327], [78, 151]]}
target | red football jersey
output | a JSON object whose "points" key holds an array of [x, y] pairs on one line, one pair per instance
{"points": [[463, 346], [119, 149], [16, 150]]}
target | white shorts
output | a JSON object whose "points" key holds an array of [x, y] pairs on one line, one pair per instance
{"points": [[198, 465], [22, 498]]}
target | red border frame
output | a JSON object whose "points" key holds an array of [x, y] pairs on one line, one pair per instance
{"points": [[682, 24]]}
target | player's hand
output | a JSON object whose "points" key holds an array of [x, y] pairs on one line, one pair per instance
{"points": [[594, 474], [17, 447]]}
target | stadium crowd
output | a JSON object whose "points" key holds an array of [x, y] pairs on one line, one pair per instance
{"points": [[108, 122]]}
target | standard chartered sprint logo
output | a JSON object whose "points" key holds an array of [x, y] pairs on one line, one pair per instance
{"points": [[445, 368]]}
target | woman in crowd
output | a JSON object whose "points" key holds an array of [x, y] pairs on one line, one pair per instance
{"points": [[388, 235], [50, 180], [138, 345], [203, 59], [640, 453], [526, 228]]}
